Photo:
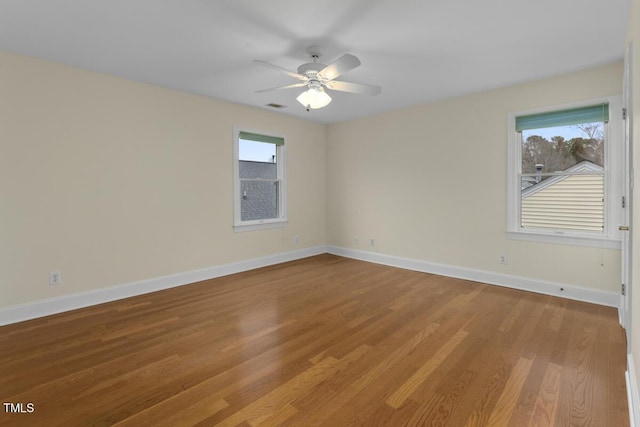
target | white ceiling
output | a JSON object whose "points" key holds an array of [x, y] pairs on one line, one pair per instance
{"points": [[418, 51]]}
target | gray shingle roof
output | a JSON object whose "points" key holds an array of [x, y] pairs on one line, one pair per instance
{"points": [[259, 198]]}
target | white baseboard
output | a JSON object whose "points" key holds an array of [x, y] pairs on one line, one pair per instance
{"points": [[610, 299], [50, 306], [633, 394], [19, 313]]}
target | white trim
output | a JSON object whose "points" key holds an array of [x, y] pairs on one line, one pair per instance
{"points": [[633, 394], [573, 292], [572, 240], [266, 224], [50, 306], [626, 253]]}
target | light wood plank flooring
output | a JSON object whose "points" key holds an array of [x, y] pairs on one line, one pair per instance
{"points": [[321, 341]]}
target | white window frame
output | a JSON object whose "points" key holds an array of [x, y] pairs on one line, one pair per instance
{"points": [[238, 224], [610, 238]]}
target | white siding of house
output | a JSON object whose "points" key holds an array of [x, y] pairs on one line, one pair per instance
{"points": [[575, 203]]}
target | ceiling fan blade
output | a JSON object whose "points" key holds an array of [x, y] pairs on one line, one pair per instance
{"points": [[282, 87], [346, 62], [282, 70], [359, 88]]}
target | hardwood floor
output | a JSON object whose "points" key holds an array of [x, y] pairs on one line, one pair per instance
{"points": [[322, 341]]}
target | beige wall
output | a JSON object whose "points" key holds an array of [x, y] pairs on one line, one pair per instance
{"points": [[429, 183], [112, 181]]}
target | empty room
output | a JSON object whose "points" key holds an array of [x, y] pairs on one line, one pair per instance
{"points": [[345, 213]]}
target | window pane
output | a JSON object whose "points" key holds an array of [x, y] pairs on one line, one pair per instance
{"points": [[259, 200], [562, 181], [258, 175], [559, 148], [257, 151], [566, 202]]}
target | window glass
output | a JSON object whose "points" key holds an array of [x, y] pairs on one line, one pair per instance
{"points": [[259, 180], [562, 179]]}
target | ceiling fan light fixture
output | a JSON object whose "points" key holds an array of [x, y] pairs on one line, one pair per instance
{"points": [[317, 76], [315, 97]]}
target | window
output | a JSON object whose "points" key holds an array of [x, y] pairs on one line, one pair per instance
{"points": [[259, 190], [564, 183]]}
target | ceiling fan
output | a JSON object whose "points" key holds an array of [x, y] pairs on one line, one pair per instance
{"points": [[317, 77]]}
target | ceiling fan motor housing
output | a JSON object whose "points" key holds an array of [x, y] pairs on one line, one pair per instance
{"points": [[311, 69]]}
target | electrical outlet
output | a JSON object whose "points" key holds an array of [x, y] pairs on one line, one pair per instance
{"points": [[372, 242], [356, 240], [296, 239], [503, 259], [55, 277]]}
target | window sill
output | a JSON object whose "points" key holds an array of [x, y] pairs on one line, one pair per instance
{"points": [[594, 242], [260, 225]]}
